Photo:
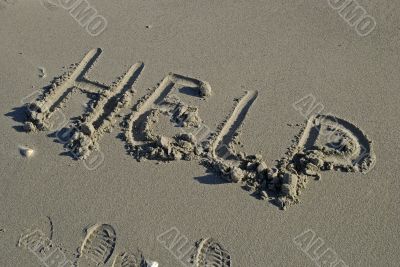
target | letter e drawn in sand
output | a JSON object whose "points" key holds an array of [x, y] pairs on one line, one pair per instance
{"points": [[143, 142]]}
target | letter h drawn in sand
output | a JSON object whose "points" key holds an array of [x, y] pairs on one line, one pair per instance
{"points": [[100, 116]]}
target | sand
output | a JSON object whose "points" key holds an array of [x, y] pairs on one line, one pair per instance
{"points": [[244, 133]]}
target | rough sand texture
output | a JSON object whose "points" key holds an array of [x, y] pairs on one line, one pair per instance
{"points": [[185, 121]]}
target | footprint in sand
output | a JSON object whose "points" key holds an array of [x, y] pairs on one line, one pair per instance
{"points": [[211, 254], [130, 259], [98, 245]]}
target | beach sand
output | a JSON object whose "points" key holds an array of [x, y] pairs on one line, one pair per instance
{"points": [[176, 202]]}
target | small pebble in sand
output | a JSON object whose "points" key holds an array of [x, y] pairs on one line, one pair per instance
{"points": [[152, 264], [26, 151], [205, 89], [42, 72]]}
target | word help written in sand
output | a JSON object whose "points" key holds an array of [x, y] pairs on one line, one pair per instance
{"points": [[325, 142]]}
